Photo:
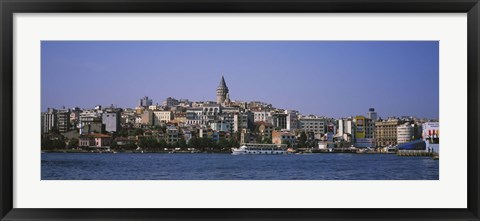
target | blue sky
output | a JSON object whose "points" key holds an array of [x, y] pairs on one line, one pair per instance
{"points": [[329, 78]]}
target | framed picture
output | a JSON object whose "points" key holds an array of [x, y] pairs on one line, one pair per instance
{"points": [[261, 110]]}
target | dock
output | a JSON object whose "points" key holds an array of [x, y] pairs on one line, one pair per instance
{"points": [[416, 153]]}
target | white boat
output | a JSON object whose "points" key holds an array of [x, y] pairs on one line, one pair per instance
{"points": [[260, 149]]}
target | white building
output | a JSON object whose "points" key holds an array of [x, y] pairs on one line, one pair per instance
{"points": [[405, 133], [372, 115], [210, 112], [431, 135], [292, 119], [111, 121], [154, 107], [346, 129], [262, 116], [195, 116], [49, 120], [221, 126], [313, 123], [162, 117]]}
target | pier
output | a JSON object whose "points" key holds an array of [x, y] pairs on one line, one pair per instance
{"points": [[416, 153]]}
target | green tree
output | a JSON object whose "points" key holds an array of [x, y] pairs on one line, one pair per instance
{"points": [[267, 140], [135, 132], [114, 145], [148, 144], [302, 140], [163, 144], [287, 143], [223, 144], [47, 144], [73, 143], [234, 143], [182, 143], [122, 133], [130, 146]]}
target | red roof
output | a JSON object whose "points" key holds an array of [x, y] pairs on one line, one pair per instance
{"points": [[97, 135]]}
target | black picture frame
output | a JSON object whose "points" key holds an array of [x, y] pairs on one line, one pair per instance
{"points": [[9, 7]]}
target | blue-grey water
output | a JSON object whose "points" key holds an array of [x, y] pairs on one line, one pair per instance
{"points": [[158, 166]]}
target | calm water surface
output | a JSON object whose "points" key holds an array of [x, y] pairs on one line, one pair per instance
{"points": [[158, 166]]}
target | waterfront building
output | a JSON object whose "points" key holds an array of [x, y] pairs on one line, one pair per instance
{"points": [[49, 120], [312, 123], [431, 135], [405, 133], [369, 129], [122, 141], [346, 129], [364, 132], [372, 115], [417, 130], [154, 134], [160, 117], [111, 120], [283, 137], [94, 140], [386, 132], [222, 92], [63, 120], [144, 102]]}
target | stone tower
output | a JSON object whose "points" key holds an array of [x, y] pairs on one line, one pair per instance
{"points": [[222, 91]]}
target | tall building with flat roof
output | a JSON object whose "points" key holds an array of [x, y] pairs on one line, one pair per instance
{"points": [[371, 114], [49, 120], [386, 132], [317, 125], [63, 120], [405, 133], [111, 120], [145, 102]]}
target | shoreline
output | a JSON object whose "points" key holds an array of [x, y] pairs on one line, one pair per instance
{"points": [[198, 152]]}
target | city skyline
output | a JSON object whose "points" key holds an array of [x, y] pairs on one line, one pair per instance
{"points": [[334, 79]]}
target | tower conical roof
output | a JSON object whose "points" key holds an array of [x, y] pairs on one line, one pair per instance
{"points": [[222, 83]]}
